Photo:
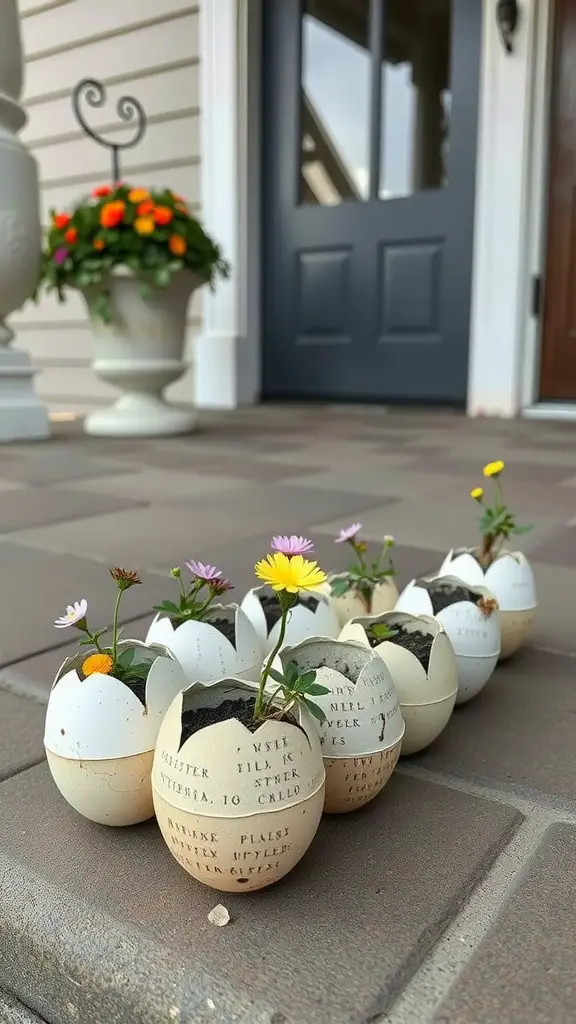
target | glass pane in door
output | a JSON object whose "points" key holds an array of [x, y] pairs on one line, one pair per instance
{"points": [[335, 101], [416, 97]]}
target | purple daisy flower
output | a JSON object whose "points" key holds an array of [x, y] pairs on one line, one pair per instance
{"points": [[348, 534], [60, 255], [292, 545], [209, 573]]}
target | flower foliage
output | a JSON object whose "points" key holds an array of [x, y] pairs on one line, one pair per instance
{"points": [[497, 523], [197, 597], [364, 575], [150, 232]]}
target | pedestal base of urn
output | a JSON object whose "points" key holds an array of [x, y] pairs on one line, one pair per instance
{"points": [[137, 415], [23, 417]]}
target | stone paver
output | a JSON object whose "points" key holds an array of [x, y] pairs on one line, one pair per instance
{"points": [[519, 732], [330, 944], [523, 972], [391, 903], [21, 732]]}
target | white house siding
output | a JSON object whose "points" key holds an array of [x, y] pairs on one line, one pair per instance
{"points": [[145, 48]]}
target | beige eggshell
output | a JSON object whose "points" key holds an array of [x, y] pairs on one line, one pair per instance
{"points": [[302, 622], [237, 809], [351, 605], [362, 717], [352, 782], [516, 628], [115, 791], [426, 698]]}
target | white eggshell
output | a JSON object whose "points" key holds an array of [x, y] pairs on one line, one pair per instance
{"points": [[205, 653], [476, 638], [99, 717], [509, 577], [237, 809], [302, 622], [426, 698]]}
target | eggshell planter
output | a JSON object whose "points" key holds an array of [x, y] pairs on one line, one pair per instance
{"points": [[237, 809], [510, 579], [427, 695], [362, 734], [204, 652], [352, 605], [475, 636], [99, 737], [313, 615]]}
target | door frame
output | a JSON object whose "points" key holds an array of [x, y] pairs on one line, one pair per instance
{"points": [[227, 371]]}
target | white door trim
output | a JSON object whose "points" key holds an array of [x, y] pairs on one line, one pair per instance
{"points": [[227, 351]]}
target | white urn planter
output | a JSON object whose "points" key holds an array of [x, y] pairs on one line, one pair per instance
{"points": [[100, 736], [510, 579], [362, 733], [423, 667], [140, 352], [469, 617], [237, 806], [352, 604], [313, 615], [226, 645]]}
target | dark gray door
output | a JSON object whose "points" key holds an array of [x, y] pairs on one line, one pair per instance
{"points": [[370, 119]]}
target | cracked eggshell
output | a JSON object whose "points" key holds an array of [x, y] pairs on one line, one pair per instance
{"points": [[362, 734], [302, 621], [237, 809], [426, 698], [475, 637], [99, 739], [351, 605], [204, 652], [510, 579]]}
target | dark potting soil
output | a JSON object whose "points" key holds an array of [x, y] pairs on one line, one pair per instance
{"points": [[227, 627], [272, 611], [200, 718], [138, 687], [442, 596], [419, 644]]}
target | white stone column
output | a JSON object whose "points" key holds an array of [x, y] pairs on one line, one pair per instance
{"points": [[22, 415], [227, 352]]}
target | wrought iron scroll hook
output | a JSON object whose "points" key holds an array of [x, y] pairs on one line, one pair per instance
{"points": [[128, 109]]}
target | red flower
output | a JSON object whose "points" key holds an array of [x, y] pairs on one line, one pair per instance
{"points": [[61, 220], [145, 208], [71, 235], [101, 191], [163, 215], [112, 214]]}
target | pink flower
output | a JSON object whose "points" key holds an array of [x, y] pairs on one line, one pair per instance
{"points": [[60, 255], [208, 573], [348, 534], [292, 545]]}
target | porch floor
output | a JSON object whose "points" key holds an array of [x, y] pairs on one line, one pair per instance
{"points": [[447, 899]]}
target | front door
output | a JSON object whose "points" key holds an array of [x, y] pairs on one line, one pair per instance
{"points": [[558, 364], [369, 171]]}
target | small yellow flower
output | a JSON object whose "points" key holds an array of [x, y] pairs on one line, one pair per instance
{"points": [[477, 493], [138, 195], [144, 225], [101, 663], [291, 574], [493, 468]]}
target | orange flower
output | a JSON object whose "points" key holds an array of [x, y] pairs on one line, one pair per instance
{"points": [[112, 214], [163, 215], [144, 225], [177, 245], [138, 195], [99, 244], [145, 208], [71, 235], [101, 663], [101, 191], [61, 220]]}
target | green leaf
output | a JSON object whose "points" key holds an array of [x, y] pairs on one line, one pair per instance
{"points": [[314, 709], [316, 690], [276, 676], [168, 607], [126, 658], [340, 587], [523, 529], [291, 673]]}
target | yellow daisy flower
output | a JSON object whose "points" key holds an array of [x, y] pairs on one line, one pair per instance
{"points": [[101, 663], [477, 493], [493, 468], [291, 574], [144, 225]]}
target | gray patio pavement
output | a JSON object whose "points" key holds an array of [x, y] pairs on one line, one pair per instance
{"points": [[449, 898]]}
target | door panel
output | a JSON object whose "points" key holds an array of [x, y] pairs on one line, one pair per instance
{"points": [[370, 139], [558, 366]]}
